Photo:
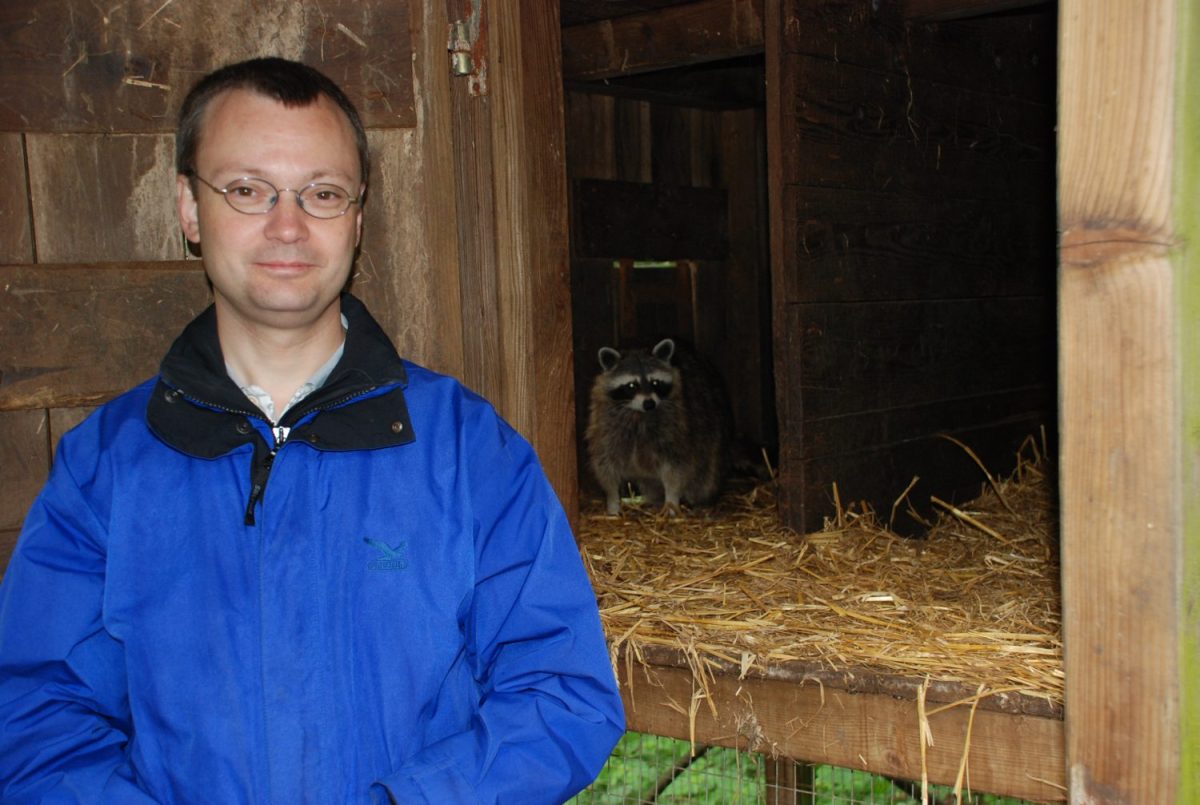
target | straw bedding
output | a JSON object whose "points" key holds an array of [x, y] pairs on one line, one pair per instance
{"points": [[976, 602]]}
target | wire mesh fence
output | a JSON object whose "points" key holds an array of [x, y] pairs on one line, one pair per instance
{"points": [[652, 769]]}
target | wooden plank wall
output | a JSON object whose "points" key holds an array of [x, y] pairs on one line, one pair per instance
{"points": [[94, 277], [680, 166], [913, 249]]}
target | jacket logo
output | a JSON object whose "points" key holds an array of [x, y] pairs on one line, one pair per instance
{"points": [[391, 558]]}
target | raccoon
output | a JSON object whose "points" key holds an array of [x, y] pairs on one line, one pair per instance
{"points": [[659, 419]]}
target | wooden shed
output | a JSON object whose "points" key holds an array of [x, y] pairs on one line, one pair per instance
{"points": [[884, 219]]}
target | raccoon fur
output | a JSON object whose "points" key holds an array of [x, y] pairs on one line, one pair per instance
{"points": [[659, 419]]}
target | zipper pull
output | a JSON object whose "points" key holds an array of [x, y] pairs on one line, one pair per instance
{"points": [[281, 435], [258, 485]]}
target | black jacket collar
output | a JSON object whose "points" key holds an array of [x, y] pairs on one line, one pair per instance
{"points": [[198, 409]]}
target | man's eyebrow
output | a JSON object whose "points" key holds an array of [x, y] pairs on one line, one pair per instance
{"points": [[321, 175], [324, 174]]}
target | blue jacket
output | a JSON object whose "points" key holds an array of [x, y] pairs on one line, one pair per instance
{"points": [[390, 602]]}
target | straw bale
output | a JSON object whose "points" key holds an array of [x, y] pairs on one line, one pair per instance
{"points": [[976, 602]]}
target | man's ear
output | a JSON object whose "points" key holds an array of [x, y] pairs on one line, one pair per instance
{"points": [[185, 206], [362, 194]]}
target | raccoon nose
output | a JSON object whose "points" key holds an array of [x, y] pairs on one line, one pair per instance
{"points": [[649, 405]]}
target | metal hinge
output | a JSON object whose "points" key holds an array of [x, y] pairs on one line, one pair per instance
{"points": [[467, 43]]}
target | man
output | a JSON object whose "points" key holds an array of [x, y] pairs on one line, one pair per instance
{"points": [[293, 567]]}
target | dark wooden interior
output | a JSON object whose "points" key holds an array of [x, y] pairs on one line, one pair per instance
{"points": [[909, 288], [861, 205]]}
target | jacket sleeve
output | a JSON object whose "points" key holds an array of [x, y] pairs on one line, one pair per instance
{"points": [[64, 713], [550, 712]]}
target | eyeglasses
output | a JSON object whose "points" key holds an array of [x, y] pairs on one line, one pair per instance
{"points": [[258, 197]]}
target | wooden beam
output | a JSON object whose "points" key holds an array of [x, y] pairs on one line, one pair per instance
{"points": [[96, 198], [16, 233], [1127, 550], [706, 31], [78, 66], [932, 10], [25, 445], [728, 85], [1014, 755], [81, 334], [512, 156]]}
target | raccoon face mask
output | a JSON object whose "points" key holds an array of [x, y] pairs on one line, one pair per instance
{"points": [[639, 381]]}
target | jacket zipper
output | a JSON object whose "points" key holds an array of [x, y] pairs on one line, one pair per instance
{"points": [[258, 483], [262, 473]]}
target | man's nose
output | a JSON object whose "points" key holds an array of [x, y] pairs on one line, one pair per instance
{"points": [[287, 221]]}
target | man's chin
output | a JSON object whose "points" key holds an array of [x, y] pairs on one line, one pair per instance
{"points": [[280, 310]]}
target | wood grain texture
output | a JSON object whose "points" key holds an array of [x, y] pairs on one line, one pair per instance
{"points": [[1120, 529], [76, 66], [8, 541], [86, 333], [1010, 55], [649, 221], [484, 363], [744, 351], [709, 30], [632, 146], [857, 128], [1120, 336], [856, 246], [671, 145], [787, 402], [532, 232], [25, 445], [512, 212], [412, 233], [961, 9], [914, 248], [103, 198], [1018, 755], [406, 271], [16, 233], [873, 356], [591, 147]]}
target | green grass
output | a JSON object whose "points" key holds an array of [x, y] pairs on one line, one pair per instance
{"points": [[727, 777]]}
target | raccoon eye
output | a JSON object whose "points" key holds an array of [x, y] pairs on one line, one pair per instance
{"points": [[631, 385], [657, 385]]}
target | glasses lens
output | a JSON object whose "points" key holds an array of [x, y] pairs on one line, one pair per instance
{"points": [[250, 195], [324, 200]]}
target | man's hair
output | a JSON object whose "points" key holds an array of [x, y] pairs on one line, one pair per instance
{"points": [[289, 82]]}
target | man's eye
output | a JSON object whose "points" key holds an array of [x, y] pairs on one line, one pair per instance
{"points": [[243, 191], [326, 194]]}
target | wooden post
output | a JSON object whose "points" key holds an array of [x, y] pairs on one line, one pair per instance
{"points": [[1128, 378], [509, 137]]}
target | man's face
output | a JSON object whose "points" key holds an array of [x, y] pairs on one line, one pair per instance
{"points": [[284, 269]]}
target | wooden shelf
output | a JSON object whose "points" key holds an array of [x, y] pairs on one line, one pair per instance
{"points": [[865, 721]]}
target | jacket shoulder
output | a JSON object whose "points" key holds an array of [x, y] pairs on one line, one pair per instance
{"points": [[424, 383], [110, 421], [435, 398]]}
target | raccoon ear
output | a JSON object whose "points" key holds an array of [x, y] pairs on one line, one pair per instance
{"points": [[608, 358], [664, 349]]}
